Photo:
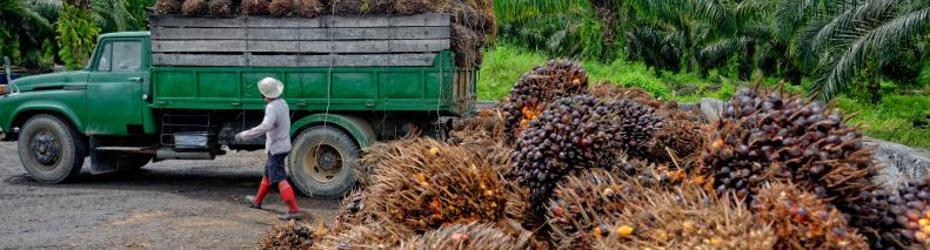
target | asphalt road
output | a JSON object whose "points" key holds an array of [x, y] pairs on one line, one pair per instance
{"points": [[168, 205]]}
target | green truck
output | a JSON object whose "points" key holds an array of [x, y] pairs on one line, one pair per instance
{"points": [[183, 90]]}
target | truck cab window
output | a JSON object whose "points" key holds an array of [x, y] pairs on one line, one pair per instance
{"points": [[104, 64], [127, 56], [121, 57]]}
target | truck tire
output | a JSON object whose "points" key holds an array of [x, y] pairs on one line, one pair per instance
{"points": [[323, 162], [50, 149]]}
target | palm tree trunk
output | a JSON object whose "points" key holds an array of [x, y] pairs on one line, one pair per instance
{"points": [[875, 87], [746, 63]]}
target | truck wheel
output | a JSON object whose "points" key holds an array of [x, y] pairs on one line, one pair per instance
{"points": [[323, 162], [50, 150]]}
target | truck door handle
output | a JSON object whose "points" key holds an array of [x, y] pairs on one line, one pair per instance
{"points": [[236, 104], [135, 79]]}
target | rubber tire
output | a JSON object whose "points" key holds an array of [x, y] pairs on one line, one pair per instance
{"points": [[73, 149], [344, 145]]}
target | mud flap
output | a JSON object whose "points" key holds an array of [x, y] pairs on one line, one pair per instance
{"points": [[101, 162]]}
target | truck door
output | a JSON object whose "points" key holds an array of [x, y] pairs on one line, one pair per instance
{"points": [[114, 88]]}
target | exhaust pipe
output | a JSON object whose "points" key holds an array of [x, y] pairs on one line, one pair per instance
{"points": [[169, 154]]}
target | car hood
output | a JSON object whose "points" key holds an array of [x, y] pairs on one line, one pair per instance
{"points": [[29, 82]]}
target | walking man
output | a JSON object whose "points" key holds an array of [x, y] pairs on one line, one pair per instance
{"points": [[276, 127]]}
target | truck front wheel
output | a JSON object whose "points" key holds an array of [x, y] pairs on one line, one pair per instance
{"points": [[50, 149], [323, 161]]}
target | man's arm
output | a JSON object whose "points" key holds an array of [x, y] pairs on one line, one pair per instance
{"points": [[261, 129]]}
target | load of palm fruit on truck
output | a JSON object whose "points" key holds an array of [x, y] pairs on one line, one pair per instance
{"points": [[564, 164], [355, 72]]}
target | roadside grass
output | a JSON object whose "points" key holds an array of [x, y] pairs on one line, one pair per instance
{"points": [[892, 119], [889, 120]]}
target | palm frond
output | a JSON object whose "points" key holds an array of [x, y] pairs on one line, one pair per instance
{"points": [[851, 19], [843, 65]]}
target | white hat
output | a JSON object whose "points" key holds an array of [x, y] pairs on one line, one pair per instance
{"points": [[270, 87]]}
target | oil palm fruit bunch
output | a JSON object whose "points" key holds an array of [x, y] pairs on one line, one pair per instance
{"points": [[350, 210], [582, 201], [220, 8], [484, 134], [469, 236], [429, 183], [539, 87], [410, 7], [677, 141], [362, 7], [683, 218], [194, 7], [367, 236], [768, 135], [467, 43], [168, 7], [610, 91], [572, 134], [912, 213], [291, 235], [280, 8], [309, 8], [800, 220], [254, 7]]}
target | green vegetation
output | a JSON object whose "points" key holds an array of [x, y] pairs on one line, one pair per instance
{"points": [[34, 32], [891, 119], [837, 46]]}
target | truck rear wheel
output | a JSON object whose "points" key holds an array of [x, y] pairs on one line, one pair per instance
{"points": [[323, 161], [50, 150]]}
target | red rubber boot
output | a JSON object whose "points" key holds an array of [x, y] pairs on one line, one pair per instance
{"points": [[287, 194], [260, 196]]}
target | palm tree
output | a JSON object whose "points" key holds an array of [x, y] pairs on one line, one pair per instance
{"points": [[22, 28], [857, 39]]}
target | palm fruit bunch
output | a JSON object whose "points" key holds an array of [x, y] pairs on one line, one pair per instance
{"points": [[768, 135], [912, 214], [220, 8], [362, 7], [194, 7], [467, 44], [309, 8], [410, 7], [683, 218], [291, 235], [800, 220], [349, 211], [430, 183], [572, 134], [366, 236], [679, 141], [581, 201], [280, 8], [539, 87], [610, 91], [469, 236], [254, 7], [167, 7]]}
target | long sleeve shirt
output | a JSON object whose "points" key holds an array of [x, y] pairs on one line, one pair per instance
{"points": [[276, 126]]}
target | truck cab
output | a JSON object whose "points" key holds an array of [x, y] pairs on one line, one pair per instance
{"points": [[124, 111]]}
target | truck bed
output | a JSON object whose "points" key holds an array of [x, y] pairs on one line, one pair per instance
{"points": [[390, 63], [441, 87]]}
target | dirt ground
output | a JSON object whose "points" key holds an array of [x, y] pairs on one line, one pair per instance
{"points": [[168, 205]]}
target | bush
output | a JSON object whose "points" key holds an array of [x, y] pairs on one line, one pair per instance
{"points": [[77, 33]]}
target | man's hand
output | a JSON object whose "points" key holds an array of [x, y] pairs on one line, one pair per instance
{"points": [[240, 137]]}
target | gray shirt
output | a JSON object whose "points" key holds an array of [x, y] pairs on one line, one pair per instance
{"points": [[276, 126]]}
